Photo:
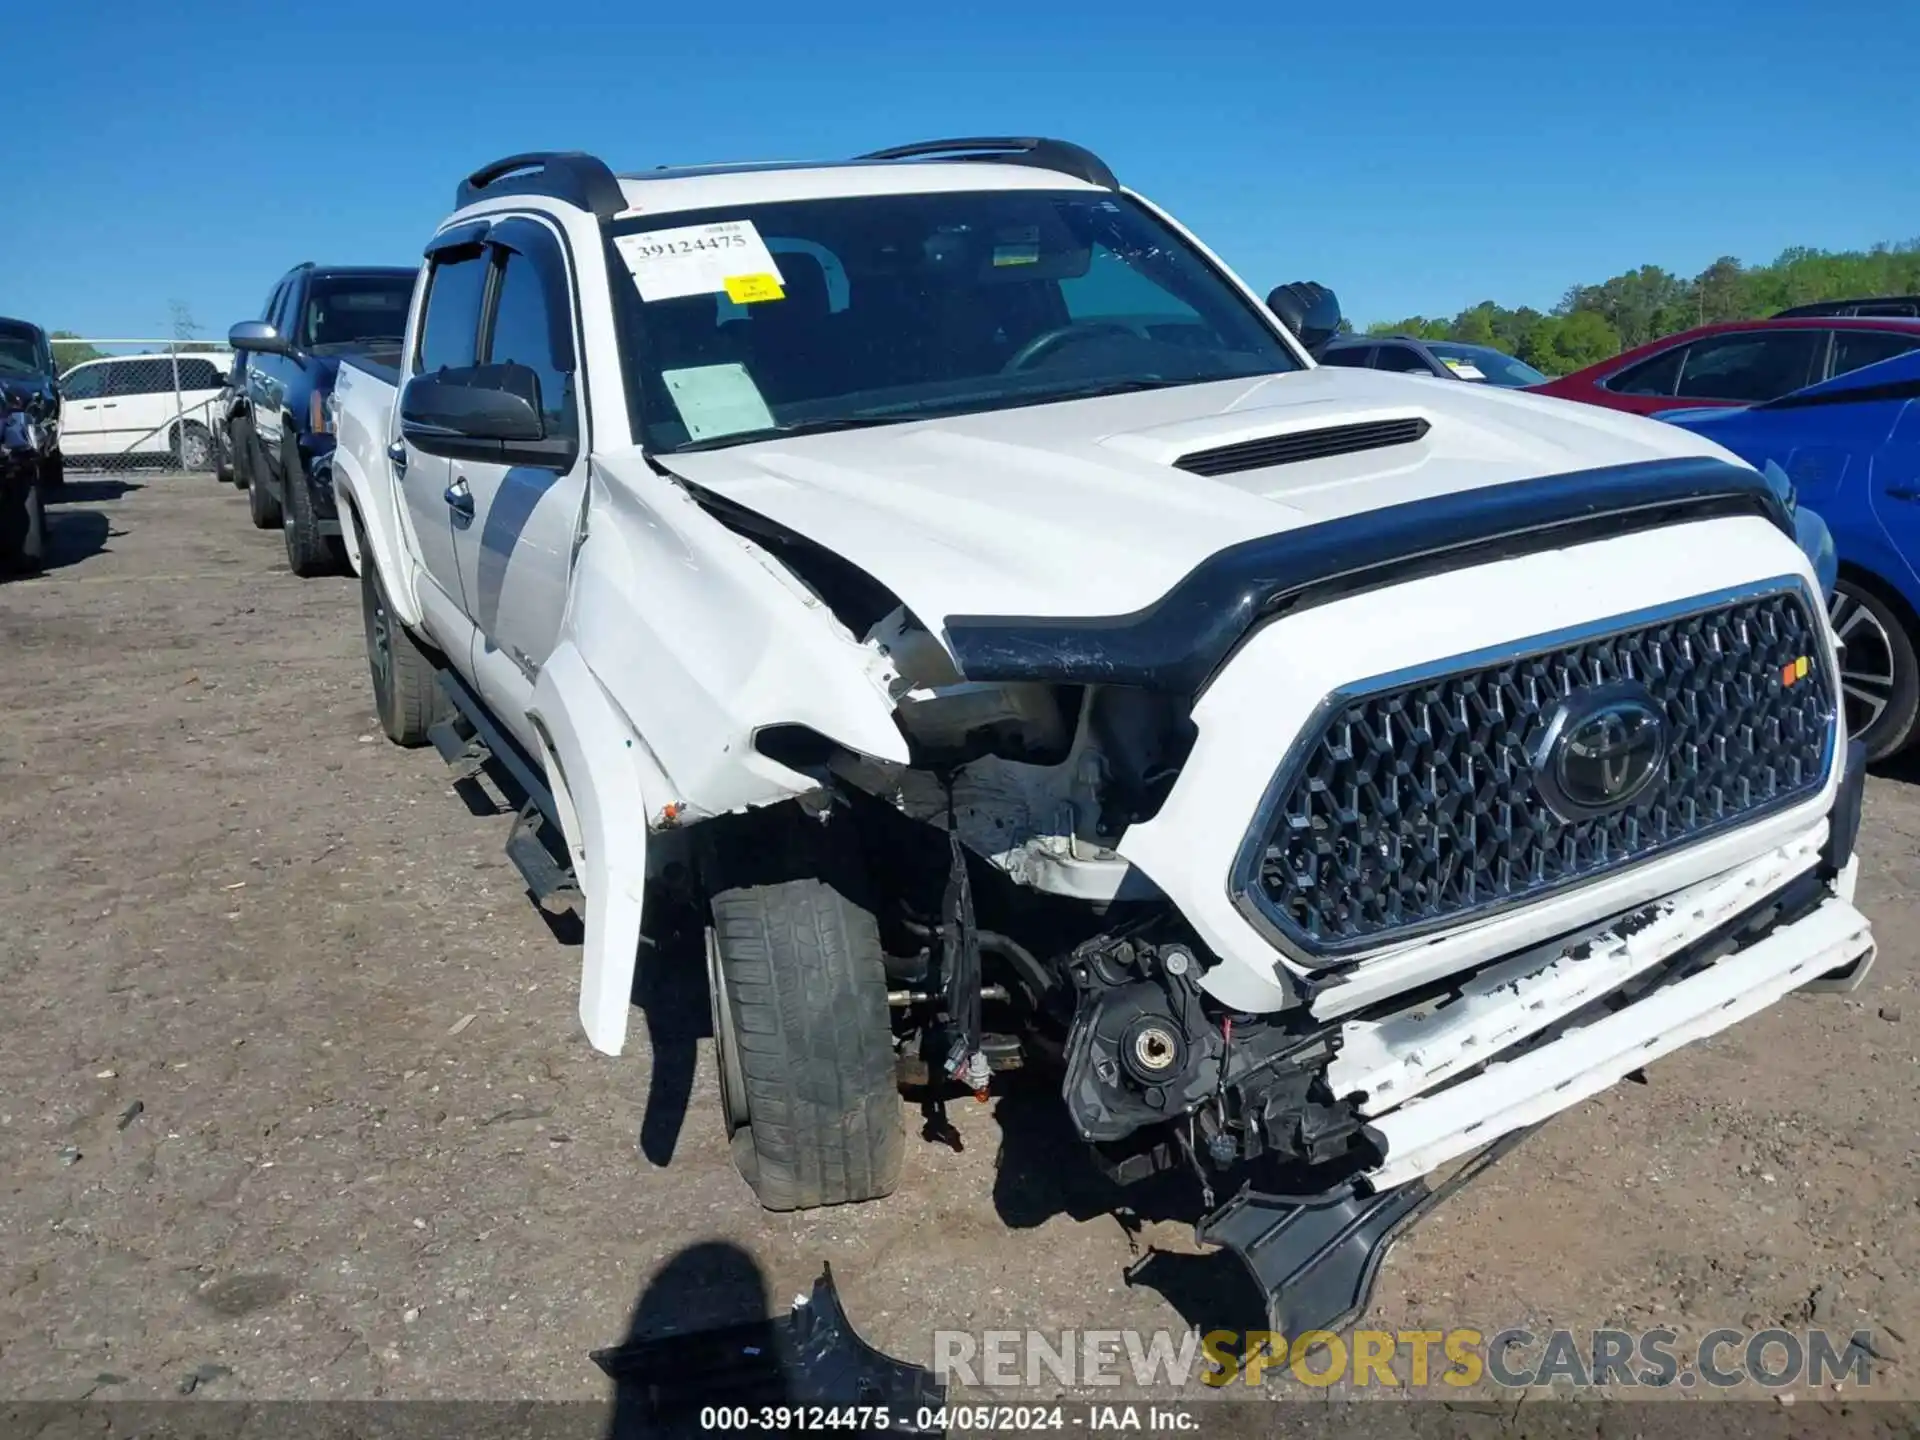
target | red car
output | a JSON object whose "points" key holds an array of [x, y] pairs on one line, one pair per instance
{"points": [[1739, 363]]}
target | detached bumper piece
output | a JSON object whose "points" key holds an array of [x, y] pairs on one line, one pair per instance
{"points": [[809, 1363], [1315, 1258]]}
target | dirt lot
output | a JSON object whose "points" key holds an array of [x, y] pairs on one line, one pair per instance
{"points": [[292, 1086]]}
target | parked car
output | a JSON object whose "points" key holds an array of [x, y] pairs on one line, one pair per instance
{"points": [[938, 590], [228, 405], [1851, 448], [316, 316], [1742, 362], [1448, 359], [23, 500], [143, 409], [27, 369], [1871, 305]]}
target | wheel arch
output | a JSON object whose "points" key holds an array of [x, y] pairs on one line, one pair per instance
{"points": [[1870, 579], [376, 541]]}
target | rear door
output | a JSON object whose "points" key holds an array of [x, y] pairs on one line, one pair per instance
{"points": [[138, 411], [516, 553]]}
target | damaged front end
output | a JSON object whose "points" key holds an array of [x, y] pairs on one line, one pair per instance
{"points": [[1324, 1134]]}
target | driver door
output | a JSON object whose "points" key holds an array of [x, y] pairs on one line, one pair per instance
{"points": [[448, 339]]}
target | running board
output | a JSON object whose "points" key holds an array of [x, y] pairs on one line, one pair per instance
{"points": [[456, 743], [493, 743], [467, 739], [550, 880], [1315, 1258]]}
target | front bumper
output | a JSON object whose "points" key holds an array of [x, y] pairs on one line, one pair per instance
{"points": [[1550, 1028], [316, 467]]}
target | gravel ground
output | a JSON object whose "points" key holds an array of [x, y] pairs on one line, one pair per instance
{"points": [[294, 1103]]}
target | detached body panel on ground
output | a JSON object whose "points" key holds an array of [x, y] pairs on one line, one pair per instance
{"points": [[940, 593]]}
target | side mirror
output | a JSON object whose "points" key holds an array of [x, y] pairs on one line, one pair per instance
{"points": [[259, 337], [482, 412], [1310, 311]]}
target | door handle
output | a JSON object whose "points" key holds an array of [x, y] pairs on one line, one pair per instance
{"points": [[108, 405], [397, 456], [460, 499], [1903, 492]]}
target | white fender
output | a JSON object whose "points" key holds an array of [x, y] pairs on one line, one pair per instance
{"points": [[594, 765], [363, 486]]}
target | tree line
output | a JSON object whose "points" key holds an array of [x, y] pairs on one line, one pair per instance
{"points": [[1593, 322]]}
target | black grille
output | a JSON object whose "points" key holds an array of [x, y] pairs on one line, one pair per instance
{"points": [[1415, 807], [1302, 445]]}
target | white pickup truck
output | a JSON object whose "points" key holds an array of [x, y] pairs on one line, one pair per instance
{"points": [[942, 576]]}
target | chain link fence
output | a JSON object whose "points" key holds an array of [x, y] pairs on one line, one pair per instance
{"points": [[143, 405]]}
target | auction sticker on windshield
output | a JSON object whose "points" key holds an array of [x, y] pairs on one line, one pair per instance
{"points": [[717, 400], [696, 259]]}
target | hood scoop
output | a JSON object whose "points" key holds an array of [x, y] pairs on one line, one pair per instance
{"points": [[1297, 445]]}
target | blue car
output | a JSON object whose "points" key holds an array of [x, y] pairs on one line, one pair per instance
{"points": [[1851, 446]]}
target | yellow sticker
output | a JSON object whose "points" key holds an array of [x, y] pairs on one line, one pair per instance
{"points": [[745, 289], [1800, 667]]}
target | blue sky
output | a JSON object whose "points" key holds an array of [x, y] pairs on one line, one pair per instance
{"points": [[1416, 157]]}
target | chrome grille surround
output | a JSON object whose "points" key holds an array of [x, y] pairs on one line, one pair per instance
{"points": [[1407, 805]]}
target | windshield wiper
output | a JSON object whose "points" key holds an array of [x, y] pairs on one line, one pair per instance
{"points": [[796, 427]]}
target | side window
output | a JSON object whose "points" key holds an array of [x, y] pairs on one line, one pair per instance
{"points": [[521, 333], [283, 308], [87, 384], [1854, 348], [450, 328], [1402, 358], [142, 375], [1657, 376], [1753, 366], [199, 375], [1352, 357], [271, 308]]}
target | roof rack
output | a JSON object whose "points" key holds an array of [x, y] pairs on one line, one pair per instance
{"points": [[1058, 155], [570, 175]]}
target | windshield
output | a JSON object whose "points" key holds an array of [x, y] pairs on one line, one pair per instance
{"points": [[1495, 367], [19, 350], [832, 314], [350, 310]]}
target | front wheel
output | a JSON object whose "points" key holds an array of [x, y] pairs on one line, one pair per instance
{"points": [[804, 1045], [1879, 673]]}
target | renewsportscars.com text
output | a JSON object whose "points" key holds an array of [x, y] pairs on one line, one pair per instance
{"points": [[1459, 1358]]}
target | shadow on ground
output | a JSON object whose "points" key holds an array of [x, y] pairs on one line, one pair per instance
{"points": [[703, 1287], [1043, 1171], [93, 490], [76, 536]]}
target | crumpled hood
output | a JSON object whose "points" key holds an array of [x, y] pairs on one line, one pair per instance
{"points": [[1077, 509]]}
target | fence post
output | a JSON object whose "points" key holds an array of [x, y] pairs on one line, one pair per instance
{"points": [[179, 407]]}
